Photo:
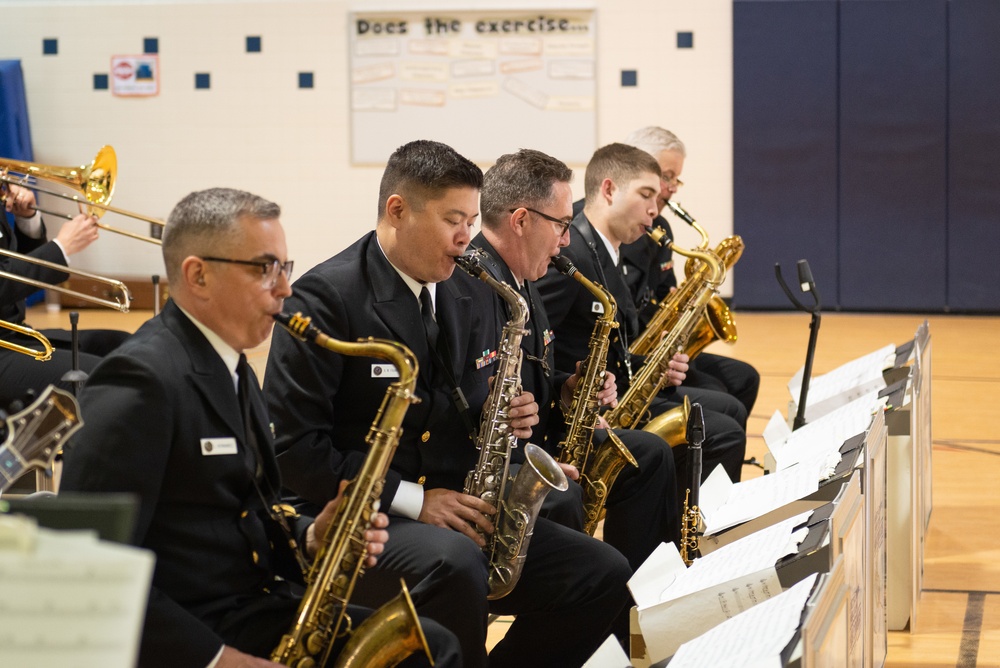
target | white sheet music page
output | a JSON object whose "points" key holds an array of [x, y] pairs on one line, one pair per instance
{"points": [[752, 498], [609, 655], [824, 436], [752, 638], [73, 601], [845, 383]]}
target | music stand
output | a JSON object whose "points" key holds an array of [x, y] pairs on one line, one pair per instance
{"points": [[807, 284]]}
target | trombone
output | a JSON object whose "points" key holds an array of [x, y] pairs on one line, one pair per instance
{"points": [[43, 355], [122, 301], [96, 182]]}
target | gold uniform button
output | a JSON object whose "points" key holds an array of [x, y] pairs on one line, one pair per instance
{"points": [[426, 436], [244, 514], [256, 557], [421, 480]]}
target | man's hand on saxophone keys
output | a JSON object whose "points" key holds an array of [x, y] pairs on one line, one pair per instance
{"points": [[677, 368], [450, 509], [375, 536], [523, 412]]}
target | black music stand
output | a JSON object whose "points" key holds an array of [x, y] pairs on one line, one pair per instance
{"points": [[807, 284]]}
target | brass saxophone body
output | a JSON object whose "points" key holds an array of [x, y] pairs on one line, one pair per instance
{"points": [[633, 407], [393, 631], [718, 322], [598, 470], [517, 500]]}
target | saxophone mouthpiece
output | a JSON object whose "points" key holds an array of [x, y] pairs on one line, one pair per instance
{"points": [[680, 212], [470, 263], [299, 325], [564, 265]]}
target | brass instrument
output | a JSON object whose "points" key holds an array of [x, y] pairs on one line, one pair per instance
{"points": [[691, 524], [122, 301], [393, 631], [633, 407], [517, 500], [43, 355], [598, 470], [96, 182], [718, 323]]}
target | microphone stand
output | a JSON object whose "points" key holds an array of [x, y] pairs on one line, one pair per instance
{"points": [[75, 376], [807, 284]]}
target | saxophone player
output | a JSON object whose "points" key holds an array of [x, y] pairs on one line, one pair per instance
{"points": [[621, 187], [176, 417], [399, 282], [526, 210]]}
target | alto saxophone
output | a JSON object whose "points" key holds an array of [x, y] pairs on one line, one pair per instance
{"points": [[393, 631], [718, 323], [598, 470], [517, 500], [633, 408], [691, 525]]}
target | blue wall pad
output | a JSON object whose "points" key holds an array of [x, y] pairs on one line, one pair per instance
{"points": [[305, 79], [253, 44], [202, 80], [685, 40], [784, 146], [974, 155], [151, 45], [630, 78], [50, 47], [100, 82], [893, 123]]}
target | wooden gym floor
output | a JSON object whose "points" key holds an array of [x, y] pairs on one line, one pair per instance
{"points": [[958, 620]]}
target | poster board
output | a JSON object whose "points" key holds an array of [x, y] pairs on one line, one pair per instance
{"points": [[484, 82]]}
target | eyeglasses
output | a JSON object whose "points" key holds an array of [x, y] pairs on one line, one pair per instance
{"points": [[673, 182], [269, 269], [562, 223]]}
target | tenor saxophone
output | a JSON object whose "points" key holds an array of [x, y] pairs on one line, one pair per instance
{"points": [[517, 500], [393, 631], [633, 408], [598, 470]]}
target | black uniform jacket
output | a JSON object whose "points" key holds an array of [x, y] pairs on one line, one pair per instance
{"points": [[13, 293], [323, 403]]}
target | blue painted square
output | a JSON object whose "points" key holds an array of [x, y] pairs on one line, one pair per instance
{"points": [[685, 40], [100, 82], [253, 44], [305, 79], [202, 80], [151, 45], [630, 78], [50, 47]]}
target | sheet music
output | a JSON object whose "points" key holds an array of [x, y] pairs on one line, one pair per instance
{"points": [[72, 600], [844, 384], [752, 638], [824, 436], [752, 498], [609, 655]]}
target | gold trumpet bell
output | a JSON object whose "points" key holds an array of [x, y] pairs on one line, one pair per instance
{"points": [[671, 425]]}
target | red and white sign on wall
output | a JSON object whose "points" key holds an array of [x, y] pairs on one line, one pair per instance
{"points": [[135, 76]]}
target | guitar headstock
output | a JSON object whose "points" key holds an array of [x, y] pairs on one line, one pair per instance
{"points": [[35, 434]]}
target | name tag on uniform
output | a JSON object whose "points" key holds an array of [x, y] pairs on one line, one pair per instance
{"points": [[598, 307], [223, 445], [385, 371]]}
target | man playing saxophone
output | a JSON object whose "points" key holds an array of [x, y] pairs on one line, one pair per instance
{"points": [[399, 282], [526, 204], [176, 417], [621, 188]]}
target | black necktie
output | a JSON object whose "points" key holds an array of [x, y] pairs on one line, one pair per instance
{"points": [[431, 328], [252, 449]]}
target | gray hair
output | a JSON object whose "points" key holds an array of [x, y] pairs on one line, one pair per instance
{"points": [[519, 179], [655, 140], [205, 220]]}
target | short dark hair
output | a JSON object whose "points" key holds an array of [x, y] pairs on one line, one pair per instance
{"points": [[421, 170], [518, 179], [206, 219], [619, 162]]}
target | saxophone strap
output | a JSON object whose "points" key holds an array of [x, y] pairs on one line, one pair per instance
{"points": [[586, 231], [440, 351]]}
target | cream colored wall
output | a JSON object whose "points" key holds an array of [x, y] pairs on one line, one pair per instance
{"points": [[256, 130]]}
